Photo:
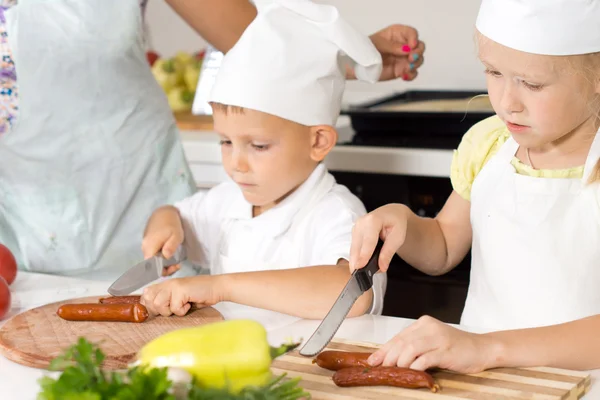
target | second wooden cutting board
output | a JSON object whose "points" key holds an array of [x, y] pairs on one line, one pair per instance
{"points": [[496, 384], [35, 337]]}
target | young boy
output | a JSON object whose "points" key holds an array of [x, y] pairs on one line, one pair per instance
{"points": [[277, 237]]}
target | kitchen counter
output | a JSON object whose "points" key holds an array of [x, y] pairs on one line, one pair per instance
{"points": [[201, 146], [30, 290]]}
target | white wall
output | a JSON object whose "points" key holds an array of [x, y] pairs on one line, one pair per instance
{"points": [[446, 26]]}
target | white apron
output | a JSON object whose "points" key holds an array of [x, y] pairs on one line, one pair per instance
{"points": [[95, 148], [282, 253], [536, 246]]}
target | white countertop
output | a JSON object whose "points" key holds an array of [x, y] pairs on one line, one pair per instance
{"points": [[31, 290], [204, 156]]}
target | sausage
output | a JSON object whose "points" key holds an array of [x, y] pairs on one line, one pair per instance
{"points": [[103, 312], [336, 360], [384, 376], [120, 300]]}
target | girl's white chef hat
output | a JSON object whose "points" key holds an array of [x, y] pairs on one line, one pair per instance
{"points": [[291, 62], [548, 27]]}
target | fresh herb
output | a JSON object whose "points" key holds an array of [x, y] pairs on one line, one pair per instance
{"points": [[83, 379]]}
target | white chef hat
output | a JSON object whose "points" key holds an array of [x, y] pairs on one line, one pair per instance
{"points": [[549, 27], [290, 62]]}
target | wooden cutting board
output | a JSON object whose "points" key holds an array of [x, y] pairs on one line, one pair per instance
{"points": [[496, 384], [34, 337]]}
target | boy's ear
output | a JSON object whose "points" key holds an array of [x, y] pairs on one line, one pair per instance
{"points": [[322, 138]]}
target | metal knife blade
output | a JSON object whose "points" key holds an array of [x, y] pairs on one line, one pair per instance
{"points": [[360, 281], [144, 272]]}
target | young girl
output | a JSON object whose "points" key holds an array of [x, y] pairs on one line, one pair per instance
{"points": [[526, 199]]}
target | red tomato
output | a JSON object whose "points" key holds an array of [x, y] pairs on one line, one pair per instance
{"points": [[4, 298], [8, 264], [152, 56]]}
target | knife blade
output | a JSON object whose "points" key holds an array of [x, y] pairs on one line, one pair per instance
{"points": [[144, 272], [360, 281]]}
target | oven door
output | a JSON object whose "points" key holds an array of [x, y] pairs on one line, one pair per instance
{"points": [[410, 293]]}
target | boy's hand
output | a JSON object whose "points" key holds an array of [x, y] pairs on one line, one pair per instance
{"points": [[431, 343], [388, 223], [175, 296], [164, 233]]}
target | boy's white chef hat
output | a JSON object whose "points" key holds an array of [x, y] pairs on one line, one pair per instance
{"points": [[549, 27], [291, 62]]}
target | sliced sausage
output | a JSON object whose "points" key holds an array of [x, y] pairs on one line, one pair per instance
{"points": [[336, 360], [103, 312], [120, 300], [384, 376]]}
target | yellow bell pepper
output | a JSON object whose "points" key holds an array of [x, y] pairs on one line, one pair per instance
{"points": [[233, 354]]}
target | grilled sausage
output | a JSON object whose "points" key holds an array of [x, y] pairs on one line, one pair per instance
{"points": [[384, 376], [336, 360], [120, 300], [103, 312]]}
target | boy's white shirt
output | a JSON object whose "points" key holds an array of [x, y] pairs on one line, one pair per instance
{"points": [[312, 226]]}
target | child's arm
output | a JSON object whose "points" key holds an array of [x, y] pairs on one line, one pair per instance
{"points": [[432, 245], [431, 343], [307, 292]]}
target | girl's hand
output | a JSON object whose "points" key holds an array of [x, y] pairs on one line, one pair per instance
{"points": [[431, 343], [388, 223]]}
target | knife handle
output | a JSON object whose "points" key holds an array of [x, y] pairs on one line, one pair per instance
{"points": [[364, 276], [175, 259]]}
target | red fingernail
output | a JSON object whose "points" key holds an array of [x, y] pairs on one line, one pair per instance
{"points": [[406, 48], [405, 77]]}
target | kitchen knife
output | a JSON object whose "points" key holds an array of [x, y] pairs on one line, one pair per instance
{"points": [[360, 281], [144, 272]]}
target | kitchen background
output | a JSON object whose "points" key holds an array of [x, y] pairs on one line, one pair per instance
{"points": [[447, 27], [378, 173]]}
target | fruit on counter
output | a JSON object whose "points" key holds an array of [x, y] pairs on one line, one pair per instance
{"points": [[152, 56], [179, 74], [183, 58], [8, 264], [230, 354], [165, 73], [191, 74], [83, 379], [199, 55], [180, 99], [4, 298]]}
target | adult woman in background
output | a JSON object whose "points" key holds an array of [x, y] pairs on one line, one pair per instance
{"points": [[88, 144]]}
